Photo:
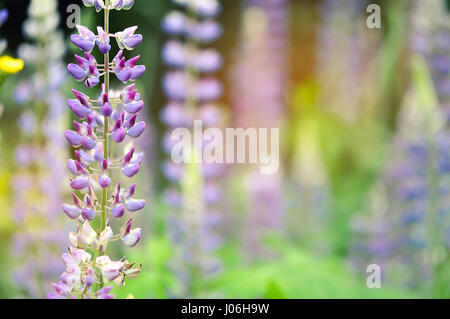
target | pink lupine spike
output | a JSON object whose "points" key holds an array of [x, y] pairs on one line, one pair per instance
{"points": [[105, 120]]}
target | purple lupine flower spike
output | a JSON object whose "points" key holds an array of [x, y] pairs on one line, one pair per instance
{"points": [[110, 117], [190, 88]]}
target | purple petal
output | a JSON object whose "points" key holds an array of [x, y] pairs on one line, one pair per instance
{"points": [[133, 205], [79, 183], [76, 71], [88, 143], [84, 44], [106, 109], [104, 180], [137, 71], [136, 130], [91, 81], [117, 211], [104, 47], [73, 137], [118, 135], [131, 170], [88, 213], [71, 211], [124, 75], [132, 238], [133, 41], [72, 167], [78, 109], [134, 106]]}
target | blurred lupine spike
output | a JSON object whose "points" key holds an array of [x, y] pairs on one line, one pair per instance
{"points": [[86, 273], [189, 87], [41, 154]]}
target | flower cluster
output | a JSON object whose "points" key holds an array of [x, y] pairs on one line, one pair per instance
{"points": [[263, 46], [191, 89], [406, 229], [40, 155], [112, 117]]}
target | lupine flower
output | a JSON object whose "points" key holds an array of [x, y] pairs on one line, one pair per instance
{"points": [[403, 225], [263, 45], [40, 155], [190, 87], [113, 116], [343, 52]]}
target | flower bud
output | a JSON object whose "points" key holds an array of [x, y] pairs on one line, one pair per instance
{"points": [[104, 180], [106, 109]]}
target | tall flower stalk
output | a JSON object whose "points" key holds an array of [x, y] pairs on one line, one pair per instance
{"points": [[107, 122], [40, 155], [259, 78], [191, 89], [407, 229]]}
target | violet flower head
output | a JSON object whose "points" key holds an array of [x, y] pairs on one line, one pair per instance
{"points": [[192, 90], [98, 194], [40, 154]]}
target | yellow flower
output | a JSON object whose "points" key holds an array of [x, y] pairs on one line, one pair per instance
{"points": [[10, 65]]}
